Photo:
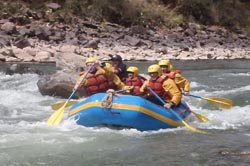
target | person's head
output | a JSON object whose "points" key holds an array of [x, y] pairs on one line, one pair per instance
{"points": [[116, 59], [165, 66], [154, 71], [132, 71], [89, 61]]}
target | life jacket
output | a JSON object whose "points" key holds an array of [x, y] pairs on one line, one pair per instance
{"points": [[176, 71], [111, 84], [136, 82], [122, 73], [96, 82], [156, 86], [172, 73]]}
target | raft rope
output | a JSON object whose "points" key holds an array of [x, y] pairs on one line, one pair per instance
{"points": [[107, 100]]}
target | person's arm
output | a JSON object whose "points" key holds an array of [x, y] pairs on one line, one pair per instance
{"points": [[84, 82], [144, 86], [118, 82], [173, 91], [186, 87], [182, 83]]}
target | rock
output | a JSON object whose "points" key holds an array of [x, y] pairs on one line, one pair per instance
{"points": [[2, 58], [12, 59], [69, 61], [60, 84], [43, 32], [92, 44], [68, 49], [53, 6], [43, 56], [22, 43], [238, 155], [9, 27], [137, 29], [24, 56]]}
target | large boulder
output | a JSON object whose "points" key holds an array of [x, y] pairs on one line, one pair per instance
{"points": [[60, 84]]}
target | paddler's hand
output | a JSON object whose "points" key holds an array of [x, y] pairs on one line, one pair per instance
{"points": [[168, 105], [186, 93], [128, 88]]}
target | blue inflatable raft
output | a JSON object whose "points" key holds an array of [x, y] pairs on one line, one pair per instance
{"points": [[127, 111]]}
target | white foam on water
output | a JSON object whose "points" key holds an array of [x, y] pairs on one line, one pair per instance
{"points": [[237, 74], [26, 118], [197, 85], [233, 118], [231, 91]]}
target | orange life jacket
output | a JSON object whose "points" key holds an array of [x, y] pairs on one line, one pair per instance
{"points": [[111, 84], [176, 71], [156, 86], [171, 74], [96, 82], [136, 82]]}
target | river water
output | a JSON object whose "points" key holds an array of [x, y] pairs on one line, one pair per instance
{"points": [[26, 140]]}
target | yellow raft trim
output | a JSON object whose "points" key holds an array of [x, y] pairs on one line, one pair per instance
{"points": [[132, 108]]}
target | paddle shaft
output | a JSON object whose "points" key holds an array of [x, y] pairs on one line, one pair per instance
{"points": [[163, 102], [56, 117], [176, 115], [84, 76], [199, 97], [219, 102]]}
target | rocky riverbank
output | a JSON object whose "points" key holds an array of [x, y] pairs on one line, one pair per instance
{"points": [[51, 41], [68, 45]]}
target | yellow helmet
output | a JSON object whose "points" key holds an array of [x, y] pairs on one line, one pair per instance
{"points": [[90, 60], [171, 67], [164, 63], [154, 68], [133, 69]]}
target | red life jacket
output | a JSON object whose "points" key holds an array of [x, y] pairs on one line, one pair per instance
{"points": [[171, 74], [176, 71], [96, 82], [156, 86], [111, 84], [136, 82]]}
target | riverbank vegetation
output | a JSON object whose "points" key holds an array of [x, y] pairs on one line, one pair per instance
{"points": [[231, 14]]}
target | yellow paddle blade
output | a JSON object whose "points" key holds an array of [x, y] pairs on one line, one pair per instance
{"points": [[193, 129], [56, 117], [201, 118], [219, 102], [58, 105]]}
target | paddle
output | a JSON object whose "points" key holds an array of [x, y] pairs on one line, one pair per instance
{"points": [[177, 116], [58, 105], [216, 101], [56, 117], [200, 117]]}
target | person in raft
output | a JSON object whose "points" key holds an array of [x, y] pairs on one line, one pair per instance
{"points": [[119, 67], [162, 86], [168, 70], [133, 80], [98, 80]]}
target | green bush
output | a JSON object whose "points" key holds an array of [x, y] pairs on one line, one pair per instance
{"points": [[228, 13], [196, 10]]}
